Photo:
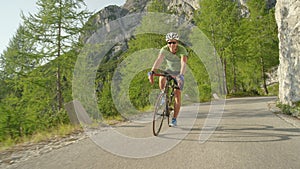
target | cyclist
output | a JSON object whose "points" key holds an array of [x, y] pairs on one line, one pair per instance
{"points": [[175, 56]]}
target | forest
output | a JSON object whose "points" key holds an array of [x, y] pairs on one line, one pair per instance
{"points": [[37, 68]]}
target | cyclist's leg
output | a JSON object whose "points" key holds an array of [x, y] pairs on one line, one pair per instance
{"points": [[162, 82], [177, 102]]}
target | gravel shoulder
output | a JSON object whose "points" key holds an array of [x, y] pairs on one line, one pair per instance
{"points": [[294, 121], [24, 151]]}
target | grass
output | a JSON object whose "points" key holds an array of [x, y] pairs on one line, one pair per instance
{"points": [[113, 120], [60, 132], [290, 110]]}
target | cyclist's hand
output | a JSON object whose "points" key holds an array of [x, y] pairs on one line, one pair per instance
{"points": [[150, 77], [180, 81]]}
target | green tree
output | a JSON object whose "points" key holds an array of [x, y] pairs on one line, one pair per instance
{"points": [[106, 104], [157, 6], [262, 40], [17, 59], [219, 20], [56, 29], [37, 69], [247, 46], [16, 62]]}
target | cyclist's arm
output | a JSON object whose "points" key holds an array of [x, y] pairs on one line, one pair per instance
{"points": [[158, 62], [183, 64]]}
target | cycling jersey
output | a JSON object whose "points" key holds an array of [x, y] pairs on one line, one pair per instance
{"points": [[173, 61]]}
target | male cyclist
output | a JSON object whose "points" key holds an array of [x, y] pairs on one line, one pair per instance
{"points": [[175, 56]]}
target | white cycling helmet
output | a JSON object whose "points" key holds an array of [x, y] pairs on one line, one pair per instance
{"points": [[172, 35]]}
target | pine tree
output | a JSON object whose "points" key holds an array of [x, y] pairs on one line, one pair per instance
{"points": [[56, 29], [43, 46], [219, 21], [18, 59], [262, 41]]}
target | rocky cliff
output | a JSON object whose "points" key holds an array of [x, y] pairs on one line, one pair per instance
{"points": [[110, 13], [288, 20], [134, 6], [104, 17]]}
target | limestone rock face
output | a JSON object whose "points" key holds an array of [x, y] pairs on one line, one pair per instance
{"points": [[183, 8], [134, 6], [104, 21], [288, 21], [110, 13]]}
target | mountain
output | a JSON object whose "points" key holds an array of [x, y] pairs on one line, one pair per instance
{"points": [[102, 18], [103, 21], [182, 8]]}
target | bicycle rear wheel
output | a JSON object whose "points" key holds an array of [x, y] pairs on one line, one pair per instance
{"points": [[159, 114]]}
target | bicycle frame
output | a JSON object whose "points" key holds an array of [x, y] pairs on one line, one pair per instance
{"points": [[169, 89]]}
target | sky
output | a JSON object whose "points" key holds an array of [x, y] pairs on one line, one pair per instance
{"points": [[10, 15]]}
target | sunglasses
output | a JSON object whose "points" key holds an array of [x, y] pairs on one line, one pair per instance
{"points": [[172, 43]]}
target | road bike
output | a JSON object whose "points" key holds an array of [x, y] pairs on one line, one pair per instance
{"points": [[164, 105]]}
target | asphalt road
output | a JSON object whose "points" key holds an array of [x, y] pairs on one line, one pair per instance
{"points": [[247, 135]]}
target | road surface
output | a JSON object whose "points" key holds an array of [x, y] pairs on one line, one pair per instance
{"points": [[248, 136]]}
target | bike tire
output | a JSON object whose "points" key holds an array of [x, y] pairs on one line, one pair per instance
{"points": [[159, 114]]}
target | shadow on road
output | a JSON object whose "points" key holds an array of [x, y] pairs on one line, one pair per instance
{"points": [[242, 133]]}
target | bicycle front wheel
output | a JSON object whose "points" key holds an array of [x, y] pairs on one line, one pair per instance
{"points": [[159, 113]]}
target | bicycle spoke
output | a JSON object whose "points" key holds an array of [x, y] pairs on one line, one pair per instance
{"points": [[159, 115]]}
